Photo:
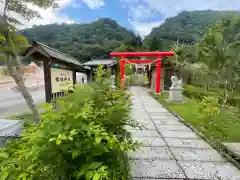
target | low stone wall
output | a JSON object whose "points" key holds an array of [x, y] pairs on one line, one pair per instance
{"points": [[9, 129]]}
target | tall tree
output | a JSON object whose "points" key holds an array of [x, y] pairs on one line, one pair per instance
{"points": [[12, 44], [222, 57], [155, 44]]}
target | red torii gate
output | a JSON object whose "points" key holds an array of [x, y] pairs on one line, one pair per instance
{"points": [[159, 55]]}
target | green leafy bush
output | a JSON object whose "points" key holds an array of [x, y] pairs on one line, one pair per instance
{"points": [[3, 71], [232, 100], [209, 107], [136, 79], [199, 93], [132, 80], [84, 139]]}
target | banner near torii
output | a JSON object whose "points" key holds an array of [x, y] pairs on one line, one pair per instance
{"points": [[158, 61]]}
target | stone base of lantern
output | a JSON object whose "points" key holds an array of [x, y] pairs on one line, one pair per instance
{"points": [[175, 95]]}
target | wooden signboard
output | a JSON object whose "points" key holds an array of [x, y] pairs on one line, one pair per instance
{"points": [[60, 79]]}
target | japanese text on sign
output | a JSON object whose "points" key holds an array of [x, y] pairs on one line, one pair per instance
{"points": [[60, 78]]}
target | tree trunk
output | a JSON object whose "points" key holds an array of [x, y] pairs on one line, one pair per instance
{"points": [[15, 70], [225, 96], [28, 98], [117, 75]]}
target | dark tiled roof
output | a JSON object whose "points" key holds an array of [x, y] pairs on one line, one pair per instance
{"points": [[104, 62], [58, 55]]}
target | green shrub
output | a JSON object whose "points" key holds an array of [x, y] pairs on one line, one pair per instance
{"points": [[136, 79], [232, 100], [132, 80], [209, 107], [84, 139], [3, 71], [199, 93]]}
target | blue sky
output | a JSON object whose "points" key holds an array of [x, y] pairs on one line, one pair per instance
{"points": [[139, 15], [112, 9]]}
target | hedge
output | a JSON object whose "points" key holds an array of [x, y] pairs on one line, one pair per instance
{"points": [[199, 93]]}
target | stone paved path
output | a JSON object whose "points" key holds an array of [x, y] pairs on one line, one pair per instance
{"points": [[170, 149]]}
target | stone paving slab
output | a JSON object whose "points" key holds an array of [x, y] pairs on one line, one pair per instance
{"points": [[179, 127], [151, 141], [179, 134], [160, 114], [156, 110], [138, 110], [210, 170], [140, 116], [190, 154], [137, 114], [156, 169], [166, 122], [147, 123], [171, 150], [162, 153], [144, 133], [144, 119], [153, 104], [152, 179], [148, 126], [186, 143], [163, 117]]}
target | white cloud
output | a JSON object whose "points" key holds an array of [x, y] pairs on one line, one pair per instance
{"points": [[94, 4], [49, 15], [140, 12], [144, 28], [168, 8]]}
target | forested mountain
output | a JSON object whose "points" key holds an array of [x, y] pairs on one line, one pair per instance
{"points": [[99, 38], [83, 41], [186, 27]]}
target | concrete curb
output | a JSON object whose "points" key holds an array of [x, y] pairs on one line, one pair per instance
{"points": [[8, 82], [32, 88]]}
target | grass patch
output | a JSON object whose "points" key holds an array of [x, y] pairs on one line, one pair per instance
{"points": [[26, 118], [222, 128], [21, 116]]}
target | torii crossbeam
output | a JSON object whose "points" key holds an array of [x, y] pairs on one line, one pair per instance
{"points": [[158, 55]]}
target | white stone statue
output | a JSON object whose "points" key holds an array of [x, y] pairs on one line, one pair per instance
{"points": [[180, 83], [174, 80], [176, 83], [112, 79], [175, 93]]}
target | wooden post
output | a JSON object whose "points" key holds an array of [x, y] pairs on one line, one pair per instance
{"points": [[113, 69], [158, 74], [122, 63], [149, 72], [117, 76], [74, 77], [89, 76], [47, 80]]}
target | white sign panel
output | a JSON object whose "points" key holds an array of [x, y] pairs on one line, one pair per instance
{"points": [[59, 79]]}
